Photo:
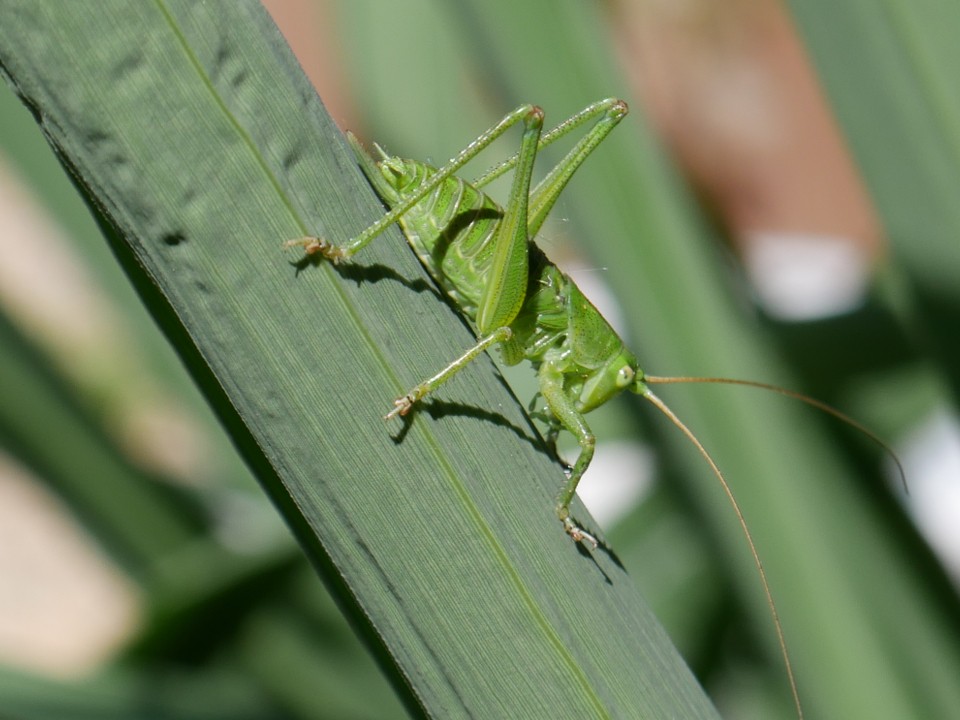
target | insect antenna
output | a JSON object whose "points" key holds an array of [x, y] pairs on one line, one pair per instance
{"points": [[812, 402], [781, 639]]}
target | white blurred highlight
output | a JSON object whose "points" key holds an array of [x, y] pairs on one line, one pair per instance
{"points": [[805, 276], [616, 481], [931, 458]]}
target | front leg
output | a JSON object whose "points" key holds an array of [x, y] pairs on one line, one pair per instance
{"points": [[565, 410], [403, 405]]}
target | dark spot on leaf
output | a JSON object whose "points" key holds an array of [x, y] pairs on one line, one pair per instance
{"points": [[174, 239]]}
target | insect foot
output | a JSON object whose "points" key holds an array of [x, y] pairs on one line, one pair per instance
{"points": [[578, 533], [315, 245], [401, 406]]}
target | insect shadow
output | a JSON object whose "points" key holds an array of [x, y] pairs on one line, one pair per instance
{"points": [[438, 409], [373, 273], [603, 547]]}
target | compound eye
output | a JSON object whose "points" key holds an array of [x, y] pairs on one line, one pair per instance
{"points": [[625, 376]]}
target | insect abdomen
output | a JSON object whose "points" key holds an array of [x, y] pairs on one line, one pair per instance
{"points": [[451, 231]]}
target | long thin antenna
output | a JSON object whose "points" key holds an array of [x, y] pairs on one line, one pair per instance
{"points": [[813, 402], [662, 406]]}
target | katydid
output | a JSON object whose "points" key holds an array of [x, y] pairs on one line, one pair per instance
{"points": [[484, 258]]}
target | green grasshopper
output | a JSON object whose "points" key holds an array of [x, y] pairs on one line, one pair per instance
{"points": [[484, 258]]}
